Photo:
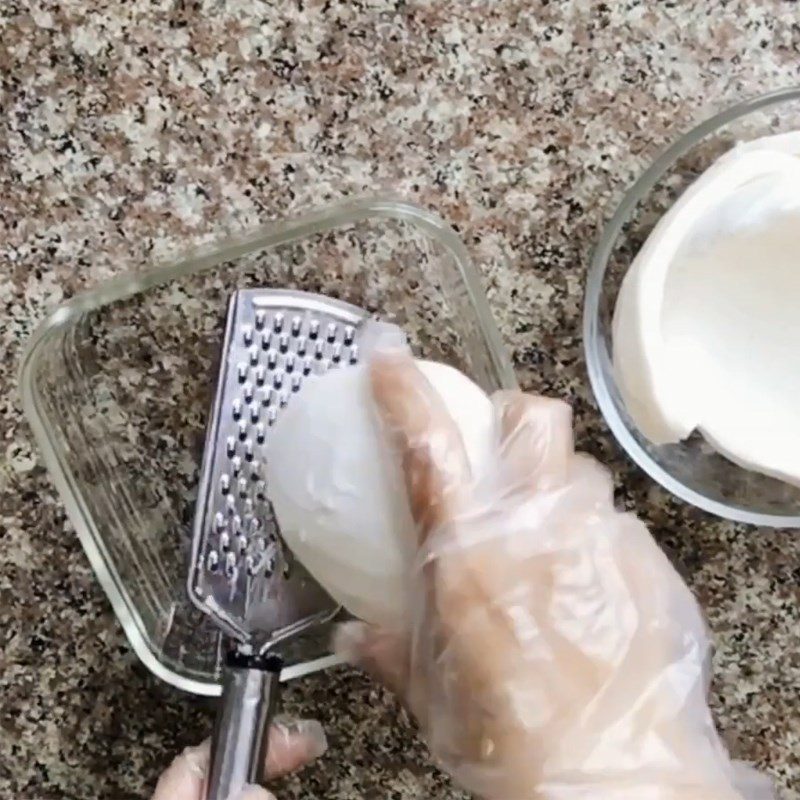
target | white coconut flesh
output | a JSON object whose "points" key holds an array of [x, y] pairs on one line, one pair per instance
{"points": [[706, 332], [338, 494]]}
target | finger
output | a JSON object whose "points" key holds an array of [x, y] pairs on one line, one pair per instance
{"points": [[253, 793], [431, 451], [183, 779], [293, 744], [383, 654], [536, 440]]}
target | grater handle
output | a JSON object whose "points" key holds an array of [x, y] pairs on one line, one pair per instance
{"points": [[240, 739]]}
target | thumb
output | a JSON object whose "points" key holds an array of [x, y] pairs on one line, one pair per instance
{"points": [[292, 744], [254, 793], [384, 654], [183, 779]]}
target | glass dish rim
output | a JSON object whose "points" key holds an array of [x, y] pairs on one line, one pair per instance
{"points": [[272, 234], [591, 312]]}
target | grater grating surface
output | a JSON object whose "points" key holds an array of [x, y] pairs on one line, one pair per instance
{"points": [[240, 573]]}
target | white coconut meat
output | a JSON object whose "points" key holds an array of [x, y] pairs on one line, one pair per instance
{"points": [[706, 332], [339, 496]]}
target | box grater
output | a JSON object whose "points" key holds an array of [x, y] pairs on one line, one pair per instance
{"points": [[240, 573]]}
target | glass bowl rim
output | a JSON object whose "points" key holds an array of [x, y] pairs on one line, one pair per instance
{"points": [[591, 312]]}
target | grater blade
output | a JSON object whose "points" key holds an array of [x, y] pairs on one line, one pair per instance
{"points": [[240, 573]]}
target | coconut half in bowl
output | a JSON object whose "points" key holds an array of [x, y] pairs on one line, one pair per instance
{"points": [[706, 329]]}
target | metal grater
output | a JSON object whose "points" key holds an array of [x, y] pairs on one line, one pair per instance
{"points": [[240, 574]]}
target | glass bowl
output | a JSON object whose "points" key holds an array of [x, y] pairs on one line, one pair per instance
{"points": [[117, 383], [692, 470]]}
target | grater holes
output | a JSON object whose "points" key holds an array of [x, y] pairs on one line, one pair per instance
{"points": [[231, 571], [269, 566], [236, 409], [289, 348], [219, 521], [224, 541], [247, 335], [212, 561], [224, 484], [268, 398]]}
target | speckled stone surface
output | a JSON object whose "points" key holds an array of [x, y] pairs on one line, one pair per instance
{"points": [[136, 129]]}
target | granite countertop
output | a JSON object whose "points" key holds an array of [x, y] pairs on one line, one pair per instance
{"points": [[135, 129]]}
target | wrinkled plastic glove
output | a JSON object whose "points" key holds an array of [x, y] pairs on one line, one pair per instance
{"points": [[292, 745], [553, 653]]}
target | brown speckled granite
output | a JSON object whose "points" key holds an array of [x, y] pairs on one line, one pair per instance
{"points": [[137, 128]]}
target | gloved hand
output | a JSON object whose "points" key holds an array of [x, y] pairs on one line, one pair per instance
{"points": [[292, 744], [553, 653]]}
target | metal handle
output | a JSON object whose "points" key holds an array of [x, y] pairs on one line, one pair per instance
{"points": [[240, 740]]}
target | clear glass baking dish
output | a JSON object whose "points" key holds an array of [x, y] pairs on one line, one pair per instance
{"points": [[117, 382]]}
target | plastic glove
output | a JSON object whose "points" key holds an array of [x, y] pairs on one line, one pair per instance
{"points": [[553, 652], [292, 744]]}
